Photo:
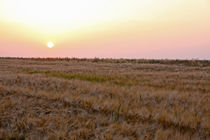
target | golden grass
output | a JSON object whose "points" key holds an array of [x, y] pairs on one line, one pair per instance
{"points": [[104, 99]]}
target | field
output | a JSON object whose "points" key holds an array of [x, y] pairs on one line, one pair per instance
{"points": [[104, 99]]}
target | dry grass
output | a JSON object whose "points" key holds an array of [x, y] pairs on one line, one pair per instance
{"points": [[104, 99]]}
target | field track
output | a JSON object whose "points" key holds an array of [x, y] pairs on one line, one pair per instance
{"points": [[104, 99]]}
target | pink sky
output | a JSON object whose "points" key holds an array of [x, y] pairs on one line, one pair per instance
{"points": [[173, 30]]}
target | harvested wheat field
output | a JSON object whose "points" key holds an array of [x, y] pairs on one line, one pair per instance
{"points": [[104, 99]]}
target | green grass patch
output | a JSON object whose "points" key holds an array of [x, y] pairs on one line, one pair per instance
{"points": [[91, 78], [84, 77]]}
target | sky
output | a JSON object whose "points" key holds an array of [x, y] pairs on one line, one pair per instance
{"points": [[153, 29]]}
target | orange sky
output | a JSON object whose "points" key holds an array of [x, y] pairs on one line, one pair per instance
{"points": [[106, 28]]}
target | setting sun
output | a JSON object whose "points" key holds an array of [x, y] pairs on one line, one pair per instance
{"points": [[50, 45]]}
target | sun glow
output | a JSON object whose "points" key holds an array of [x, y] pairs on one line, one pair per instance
{"points": [[50, 45]]}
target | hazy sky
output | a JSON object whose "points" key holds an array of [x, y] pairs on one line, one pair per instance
{"points": [[105, 28]]}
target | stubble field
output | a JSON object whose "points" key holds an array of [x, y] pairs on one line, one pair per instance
{"points": [[104, 99]]}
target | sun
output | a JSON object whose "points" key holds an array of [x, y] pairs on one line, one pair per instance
{"points": [[50, 45]]}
